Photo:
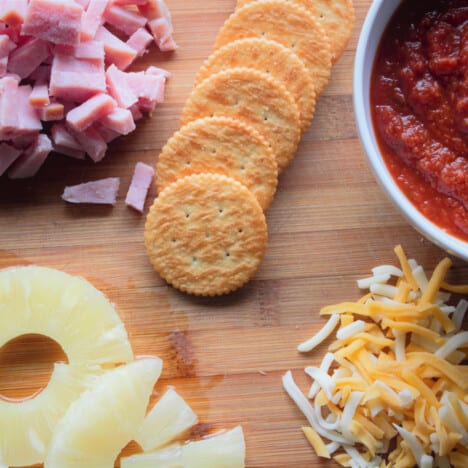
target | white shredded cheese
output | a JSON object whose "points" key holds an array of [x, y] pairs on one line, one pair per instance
{"points": [[459, 314], [400, 345], [365, 283], [303, 403], [348, 414], [322, 335], [413, 443], [459, 340], [406, 398], [325, 367], [323, 379], [390, 270], [350, 330]]}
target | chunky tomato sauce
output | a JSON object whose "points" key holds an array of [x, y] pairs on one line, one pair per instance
{"points": [[420, 107]]}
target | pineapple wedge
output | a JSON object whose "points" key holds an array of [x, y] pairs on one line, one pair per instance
{"points": [[26, 427], [170, 417], [65, 308], [226, 450], [77, 316], [105, 418]]}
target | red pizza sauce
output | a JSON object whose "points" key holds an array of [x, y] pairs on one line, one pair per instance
{"points": [[419, 96]]}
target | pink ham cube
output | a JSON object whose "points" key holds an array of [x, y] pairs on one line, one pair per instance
{"points": [[26, 58], [93, 18], [103, 191], [82, 116], [140, 40], [75, 79], [120, 121], [124, 20], [57, 21], [32, 159], [8, 154], [117, 51], [141, 182], [39, 96], [6, 45], [118, 88], [52, 111], [92, 143]]}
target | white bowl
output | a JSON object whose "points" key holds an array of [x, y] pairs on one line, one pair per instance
{"points": [[374, 26]]}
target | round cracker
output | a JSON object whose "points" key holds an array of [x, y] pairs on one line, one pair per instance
{"points": [[269, 57], [288, 23], [337, 18], [206, 234], [223, 146], [255, 98]]}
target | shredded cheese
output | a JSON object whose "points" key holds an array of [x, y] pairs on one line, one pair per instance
{"points": [[394, 384]]}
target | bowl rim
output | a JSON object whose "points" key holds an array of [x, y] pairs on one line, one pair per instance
{"points": [[363, 64]]}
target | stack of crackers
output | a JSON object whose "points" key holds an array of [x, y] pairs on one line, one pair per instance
{"points": [[253, 98]]}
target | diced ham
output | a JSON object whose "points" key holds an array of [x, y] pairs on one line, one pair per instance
{"points": [[119, 120], [117, 51], [89, 50], [160, 23], [162, 31], [13, 12], [148, 88], [8, 154], [62, 137], [103, 191], [26, 58], [93, 18], [6, 45], [75, 79], [81, 117], [141, 182], [152, 70], [8, 109], [39, 96], [118, 87], [92, 143], [56, 21], [51, 112], [106, 133], [32, 159], [61, 49], [136, 113], [40, 74], [124, 20], [139, 41], [72, 153], [28, 120]]}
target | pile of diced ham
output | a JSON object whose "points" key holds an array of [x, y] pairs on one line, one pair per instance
{"points": [[63, 80]]}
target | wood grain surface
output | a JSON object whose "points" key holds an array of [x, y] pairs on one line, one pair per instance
{"points": [[328, 225]]}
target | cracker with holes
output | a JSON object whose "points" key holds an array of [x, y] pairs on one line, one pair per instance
{"points": [[269, 57], [288, 23], [206, 234], [337, 17], [255, 98], [224, 146]]}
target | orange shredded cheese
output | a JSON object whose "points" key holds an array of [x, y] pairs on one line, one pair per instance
{"points": [[399, 377]]}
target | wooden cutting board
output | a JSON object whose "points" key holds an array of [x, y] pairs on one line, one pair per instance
{"points": [[328, 225]]}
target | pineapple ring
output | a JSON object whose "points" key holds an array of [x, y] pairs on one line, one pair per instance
{"points": [[69, 310]]}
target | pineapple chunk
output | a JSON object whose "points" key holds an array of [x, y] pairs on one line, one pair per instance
{"points": [[65, 308], [170, 417], [105, 418], [222, 451], [72, 312], [26, 427]]}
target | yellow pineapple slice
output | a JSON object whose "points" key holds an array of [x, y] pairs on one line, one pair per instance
{"points": [[65, 308], [36, 300], [170, 417], [226, 450], [105, 418], [26, 427]]}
